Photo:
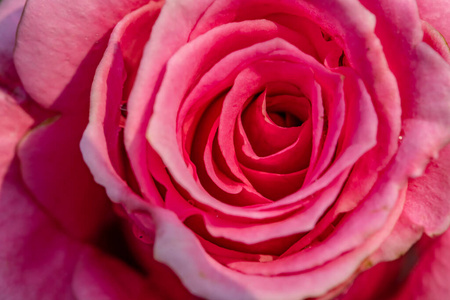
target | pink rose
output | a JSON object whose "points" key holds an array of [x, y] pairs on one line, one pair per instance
{"points": [[259, 149]]}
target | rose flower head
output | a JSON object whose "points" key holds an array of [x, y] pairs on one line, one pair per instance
{"points": [[224, 149]]}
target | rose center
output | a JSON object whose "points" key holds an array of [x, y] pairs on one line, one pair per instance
{"points": [[284, 119]]}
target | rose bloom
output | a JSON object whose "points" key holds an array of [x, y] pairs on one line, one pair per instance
{"points": [[227, 149]]}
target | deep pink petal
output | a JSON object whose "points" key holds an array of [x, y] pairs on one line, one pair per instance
{"points": [[36, 258], [248, 83], [429, 278], [47, 152], [358, 138], [334, 105], [256, 121], [39, 261], [339, 242], [275, 186], [366, 56], [379, 282], [97, 276]]}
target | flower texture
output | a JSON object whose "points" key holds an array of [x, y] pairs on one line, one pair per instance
{"points": [[224, 149]]}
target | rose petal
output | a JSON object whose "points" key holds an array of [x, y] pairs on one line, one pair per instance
{"points": [[350, 234], [259, 130], [30, 267], [427, 203], [293, 158], [65, 49], [274, 186], [334, 112], [50, 150], [428, 279], [308, 28]]}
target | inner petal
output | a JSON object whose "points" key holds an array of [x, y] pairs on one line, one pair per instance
{"points": [[265, 136], [293, 158]]}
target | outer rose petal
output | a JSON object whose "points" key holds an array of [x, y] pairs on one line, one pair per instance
{"points": [[36, 259], [427, 199], [429, 278], [54, 171], [66, 48]]}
